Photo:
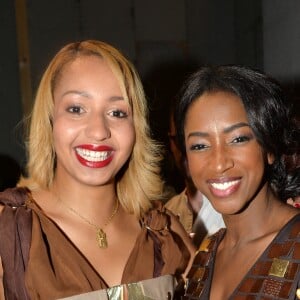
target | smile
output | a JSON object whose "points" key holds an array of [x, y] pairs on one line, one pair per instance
{"points": [[93, 156], [223, 188], [224, 185]]}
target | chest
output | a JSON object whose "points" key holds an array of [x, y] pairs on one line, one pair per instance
{"points": [[107, 251], [272, 272], [232, 266]]}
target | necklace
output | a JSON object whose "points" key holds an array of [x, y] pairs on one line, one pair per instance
{"points": [[100, 233]]}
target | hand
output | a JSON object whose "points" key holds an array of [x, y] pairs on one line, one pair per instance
{"points": [[294, 201]]}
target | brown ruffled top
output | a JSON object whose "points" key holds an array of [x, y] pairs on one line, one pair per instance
{"points": [[57, 269]]}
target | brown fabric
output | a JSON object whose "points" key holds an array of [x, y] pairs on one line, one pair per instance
{"points": [[15, 237], [261, 282], [179, 206], [56, 268]]}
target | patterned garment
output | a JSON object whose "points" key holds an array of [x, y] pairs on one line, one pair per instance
{"points": [[275, 275]]}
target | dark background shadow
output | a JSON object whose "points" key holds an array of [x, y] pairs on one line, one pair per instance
{"points": [[10, 172], [161, 86]]}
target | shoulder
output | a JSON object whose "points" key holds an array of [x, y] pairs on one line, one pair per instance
{"points": [[160, 219], [291, 229], [156, 218], [177, 202], [15, 194], [14, 197], [180, 207], [172, 243]]}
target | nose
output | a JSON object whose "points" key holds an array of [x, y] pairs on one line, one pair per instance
{"points": [[221, 159], [97, 128]]}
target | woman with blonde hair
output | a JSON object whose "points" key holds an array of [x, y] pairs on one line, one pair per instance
{"points": [[86, 220]]}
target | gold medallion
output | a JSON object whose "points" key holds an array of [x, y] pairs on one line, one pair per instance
{"points": [[100, 234], [101, 238]]}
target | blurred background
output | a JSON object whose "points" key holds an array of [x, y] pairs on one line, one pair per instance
{"points": [[165, 39]]}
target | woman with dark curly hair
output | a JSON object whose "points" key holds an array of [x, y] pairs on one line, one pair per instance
{"points": [[242, 148]]}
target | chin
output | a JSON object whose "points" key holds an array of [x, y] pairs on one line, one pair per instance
{"points": [[227, 208]]}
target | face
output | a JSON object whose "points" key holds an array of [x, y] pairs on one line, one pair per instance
{"points": [[93, 129], [225, 160]]}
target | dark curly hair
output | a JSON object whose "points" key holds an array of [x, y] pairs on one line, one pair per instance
{"points": [[269, 116]]}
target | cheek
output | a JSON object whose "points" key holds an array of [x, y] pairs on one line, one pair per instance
{"points": [[63, 133], [196, 166], [252, 159], [127, 136], [131, 142]]}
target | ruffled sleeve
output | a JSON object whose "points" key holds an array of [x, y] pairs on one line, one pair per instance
{"points": [[162, 248], [15, 233]]}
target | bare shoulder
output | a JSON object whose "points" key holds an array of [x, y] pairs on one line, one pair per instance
{"points": [[46, 201]]}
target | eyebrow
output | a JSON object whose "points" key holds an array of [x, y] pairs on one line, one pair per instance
{"points": [[87, 95], [225, 130], [235, 126], [79, 93]]}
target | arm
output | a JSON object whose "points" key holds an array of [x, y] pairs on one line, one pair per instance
{"points": [[294, 201], [2, 297]]}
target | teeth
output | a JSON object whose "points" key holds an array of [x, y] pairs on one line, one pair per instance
{"points": [[225, 185], [93, 155]]}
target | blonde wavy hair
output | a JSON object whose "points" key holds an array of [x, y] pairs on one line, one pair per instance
{"points": [[139, 182]]}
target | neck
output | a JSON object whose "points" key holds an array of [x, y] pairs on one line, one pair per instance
{"points": [[264, 215], [96, 202]]}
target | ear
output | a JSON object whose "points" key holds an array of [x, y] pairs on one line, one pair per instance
{"points": [[270, 158]]}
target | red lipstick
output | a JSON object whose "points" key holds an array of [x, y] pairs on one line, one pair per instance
{"points": [[94, 156]]}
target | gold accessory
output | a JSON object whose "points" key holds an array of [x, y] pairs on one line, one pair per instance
{"points": [[279, 267], [100, 234]]}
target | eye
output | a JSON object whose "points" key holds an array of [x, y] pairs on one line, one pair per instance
{"points": [[198, 147], [75, 110], [241, 139], [118, 113]]}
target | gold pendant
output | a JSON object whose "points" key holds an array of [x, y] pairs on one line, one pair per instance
{"points": [[101, 238]]}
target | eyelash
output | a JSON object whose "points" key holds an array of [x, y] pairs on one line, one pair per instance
{"points": [[241, 139], [118, 113], [198, 147], [115, 113], [237, 140], [75, 110]]}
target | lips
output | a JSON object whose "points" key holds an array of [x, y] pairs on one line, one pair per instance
{"points": [[224, 187], [94, 156]]}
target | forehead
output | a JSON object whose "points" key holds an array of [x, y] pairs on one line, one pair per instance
{"points": [[87, 70], [84, 63], [216, 105], [69, 66]]}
